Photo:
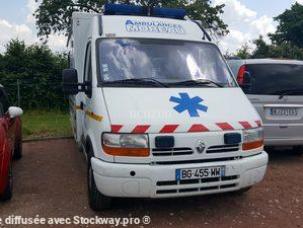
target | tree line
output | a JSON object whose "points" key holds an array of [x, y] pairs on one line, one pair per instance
{"points": [[286, 42], [37, 72]]}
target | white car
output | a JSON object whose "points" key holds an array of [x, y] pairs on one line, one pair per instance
{"points": [[275, 88], [156, 109]]}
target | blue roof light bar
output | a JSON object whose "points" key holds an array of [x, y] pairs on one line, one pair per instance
{"points": [[123, 9]]}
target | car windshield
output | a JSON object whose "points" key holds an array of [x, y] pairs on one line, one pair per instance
{"points": [[162, 62]]}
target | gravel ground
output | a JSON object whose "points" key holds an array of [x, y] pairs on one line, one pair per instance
{"points": [[50, 181]]}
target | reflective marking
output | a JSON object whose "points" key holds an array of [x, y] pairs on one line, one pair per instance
{"points": [[259, 123], [94, 116], [116, 128], [198, 128], [140, 129], [245, 124], [225, 126], [169, 128]]}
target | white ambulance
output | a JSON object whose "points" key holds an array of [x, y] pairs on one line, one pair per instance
{"points": [[156, 109]]}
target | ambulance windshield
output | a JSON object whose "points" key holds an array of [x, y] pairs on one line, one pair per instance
{"points": [[168, 62]]}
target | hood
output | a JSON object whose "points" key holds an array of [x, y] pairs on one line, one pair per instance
{"points": [[179, 110]]}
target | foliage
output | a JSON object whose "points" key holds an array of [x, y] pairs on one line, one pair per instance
{"points": [[54, 16], [284, 50], [287, 41], [38, 71], [290, 28], [42, 124], [243, 52]]}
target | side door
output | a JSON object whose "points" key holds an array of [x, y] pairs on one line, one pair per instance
{"points": [[10, 123], [5, 144], [73, 108], [87, 80]]}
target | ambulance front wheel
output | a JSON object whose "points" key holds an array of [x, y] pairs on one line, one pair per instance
{"points": [[97, 201]]}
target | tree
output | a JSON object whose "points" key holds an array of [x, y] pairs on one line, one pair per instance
{"points": [[38, 71], [243, 52], [290, 28], [54, 16], [262, 49], [284, 50]]}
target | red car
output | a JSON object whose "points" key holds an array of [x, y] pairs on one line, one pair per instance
{"points": [[10, 143]]}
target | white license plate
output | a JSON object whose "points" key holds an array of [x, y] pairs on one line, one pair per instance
{"points": [[284, 111], [200, 173]]}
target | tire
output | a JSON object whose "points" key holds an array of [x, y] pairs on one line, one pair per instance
{"points": [[97, 201], [18, 150], [8, 192]]}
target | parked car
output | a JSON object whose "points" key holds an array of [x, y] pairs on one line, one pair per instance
{"points": [[275, 87], [10, 143]]}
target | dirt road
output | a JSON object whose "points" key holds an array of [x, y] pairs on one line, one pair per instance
{"points": [[50, 181]]}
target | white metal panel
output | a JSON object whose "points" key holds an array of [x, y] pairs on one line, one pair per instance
{"points": [[150, 27], [152, 106]]}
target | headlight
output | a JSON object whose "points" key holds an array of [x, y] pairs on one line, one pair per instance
{"points": [[253, 139], [134, 145]]}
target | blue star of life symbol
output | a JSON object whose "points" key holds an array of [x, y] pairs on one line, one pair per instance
{"points": [[185, 103]]}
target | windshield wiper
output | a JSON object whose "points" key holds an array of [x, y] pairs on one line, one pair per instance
{"points": [[199, 82], [138, 81], [285, 92]]}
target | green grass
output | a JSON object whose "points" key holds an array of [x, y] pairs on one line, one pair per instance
{"points": [[43, 124]]}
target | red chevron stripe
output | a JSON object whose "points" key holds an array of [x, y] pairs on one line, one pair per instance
{"points": [[245, 124], [259, 123], [198, 128], [116, 128], [225, 126], [140, 129], [169, 128]]}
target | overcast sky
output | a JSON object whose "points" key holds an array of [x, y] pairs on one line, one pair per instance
{"points": [[247, 19]]}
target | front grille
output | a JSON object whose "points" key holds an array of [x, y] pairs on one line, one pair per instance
{"points": [[172, 151], [197, 185], [196, 161], [222, 149], [196, 181]]}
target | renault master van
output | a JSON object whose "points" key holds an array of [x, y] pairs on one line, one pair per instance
{"points": [[155, 108]]}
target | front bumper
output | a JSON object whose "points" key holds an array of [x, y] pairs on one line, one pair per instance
{"points": [[158, 181]]}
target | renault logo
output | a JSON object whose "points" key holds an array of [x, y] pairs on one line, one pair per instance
{"points": [[200, 147]]}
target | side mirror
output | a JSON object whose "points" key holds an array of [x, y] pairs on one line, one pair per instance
{"points": [[70, 81], [14, 112]]}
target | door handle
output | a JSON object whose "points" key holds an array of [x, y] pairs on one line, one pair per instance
{"points": [[81, 105]]}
